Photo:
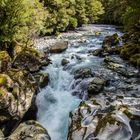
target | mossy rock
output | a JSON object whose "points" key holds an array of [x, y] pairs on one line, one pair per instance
{"points": [[129, 49], [103, 122], [5, 61], [135, 59], [17, 50], [27, 61], [3, 55], [5, 80], [33, 52], [117, 49], [110, 41]]}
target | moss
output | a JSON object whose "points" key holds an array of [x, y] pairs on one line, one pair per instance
{"points": [[118, 49], [127, 113], [131, 52], [135, 59], [4, 55], [17, 49], [32, 51], [138, 62], [125, 110], [95, 102], [3, 79], [103, 122]]}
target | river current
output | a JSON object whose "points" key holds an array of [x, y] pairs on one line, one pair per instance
{"points": [[57, 100]]}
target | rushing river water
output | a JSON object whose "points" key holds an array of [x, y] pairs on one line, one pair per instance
{"points": [[56, 101]]}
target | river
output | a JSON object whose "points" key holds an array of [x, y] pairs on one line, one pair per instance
{"points": [[59, 98]]}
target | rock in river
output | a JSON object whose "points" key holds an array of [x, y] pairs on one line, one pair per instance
{"points": [[96, 85], [110, 41], [59, 47], [64, 62], [83, 73]]}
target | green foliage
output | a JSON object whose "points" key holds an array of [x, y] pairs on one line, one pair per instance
{"points": [[68, 14], [20, 20], [94, 9], [126, 12]]}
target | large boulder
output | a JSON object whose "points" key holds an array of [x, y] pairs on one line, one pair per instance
{"points": [[30, 130], [110, 41], [93, 120], [59, 47], [16, 94], [96, 85], [5, 61]]}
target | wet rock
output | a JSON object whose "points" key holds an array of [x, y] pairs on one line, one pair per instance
{"points": [[83, 73], [96, 85], [31, 114], [5, 61], [110, 41], [30, 130], [91, 120], [64, 62], [59, 47], [97, 52], [118, 66], [42, 79]]}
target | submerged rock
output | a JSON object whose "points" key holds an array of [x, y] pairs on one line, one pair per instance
{"points": [[59, 47], [64, 62], [30, 130], [5, 61]]}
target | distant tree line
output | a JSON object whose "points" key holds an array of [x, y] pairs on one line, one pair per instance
{"points": [[20, 20]]}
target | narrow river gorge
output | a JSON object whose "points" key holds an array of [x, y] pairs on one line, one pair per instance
{"points": [[68, 108]]}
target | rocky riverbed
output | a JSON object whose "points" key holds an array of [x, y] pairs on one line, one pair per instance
{"points": [[74, 87], [92, 90]]}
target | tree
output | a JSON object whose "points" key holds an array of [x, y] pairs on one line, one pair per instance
{"points": [[20, 20], [94, 9]]}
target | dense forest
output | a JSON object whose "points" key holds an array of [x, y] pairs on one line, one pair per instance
{"points": [[21, 20], [109, 48]]}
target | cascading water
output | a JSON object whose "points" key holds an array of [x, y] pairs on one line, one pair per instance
{"points": [[55, 102]]}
